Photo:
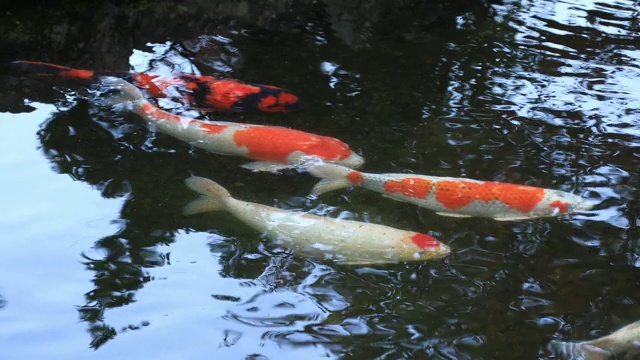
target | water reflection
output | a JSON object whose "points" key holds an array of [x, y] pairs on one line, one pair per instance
{"points": [[544, 95]]}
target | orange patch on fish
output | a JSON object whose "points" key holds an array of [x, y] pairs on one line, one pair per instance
{"points": [[77, 74], [276, 144], [159, 114], [225, 93], [145, 82], [267, 102], [458, 194], [355, 177], [562, 206], [156, 85], [424, 241], [409, 187], [287, 98]]}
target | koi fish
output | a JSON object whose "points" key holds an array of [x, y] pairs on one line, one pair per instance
{"points": [[456, 197], [204, 92], [623, 340], [344, 241], [272, 147]]}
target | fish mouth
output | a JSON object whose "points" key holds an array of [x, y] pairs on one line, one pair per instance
{"points": [[432, 253], [354, 161], [587, 205], [583, 205]]}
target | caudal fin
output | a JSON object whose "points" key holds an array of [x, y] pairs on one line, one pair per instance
{"points": [[585, 351], [333, 176], [42, 68], [622, 341], [213, 196]]}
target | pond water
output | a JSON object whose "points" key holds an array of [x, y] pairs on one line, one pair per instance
{"points": [[98, 262]]}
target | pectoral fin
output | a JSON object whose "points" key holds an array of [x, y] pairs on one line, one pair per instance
{"points": [[391, 197], [269, 166], [453, 215], [362, 262], [513, 218], [326, 185]]}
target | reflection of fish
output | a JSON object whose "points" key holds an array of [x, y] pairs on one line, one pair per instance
{"points": [[458, 197], [205, 92], [344, 241], [623, 340], [274, 147]]}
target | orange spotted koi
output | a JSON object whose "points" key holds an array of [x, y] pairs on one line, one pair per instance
{"points": [[273, 147], [205, 92], [343, 241], [456, 197]]}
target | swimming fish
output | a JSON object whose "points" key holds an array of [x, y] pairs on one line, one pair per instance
{"points": [[344, 241], [456, 197], [623, 340], [205, 92], [272, 147]]}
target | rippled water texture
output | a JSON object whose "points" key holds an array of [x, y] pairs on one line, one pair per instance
{"points": [[98, 262]]}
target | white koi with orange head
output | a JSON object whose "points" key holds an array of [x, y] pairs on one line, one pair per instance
{"points": [[272, 147], [457, 197], [343, 241]]}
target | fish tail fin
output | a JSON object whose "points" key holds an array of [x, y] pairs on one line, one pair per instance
{"points": [[43, 68], [213, 196], [333, 177], [128, 92], [572, 350]]}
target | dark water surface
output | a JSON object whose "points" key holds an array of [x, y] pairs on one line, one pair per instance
{"points": [[98, 262]]}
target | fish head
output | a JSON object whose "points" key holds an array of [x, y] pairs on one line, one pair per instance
{"points": [[420, 247], [353, 161], [560, 202], [332, 150]]}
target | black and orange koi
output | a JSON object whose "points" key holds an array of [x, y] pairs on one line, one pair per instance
{"points": [[205, 92]]}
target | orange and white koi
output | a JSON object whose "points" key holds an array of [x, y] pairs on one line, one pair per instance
{"points": [[273, 147], [457, 197], [622, 341], [344, 241], [204, 92]]}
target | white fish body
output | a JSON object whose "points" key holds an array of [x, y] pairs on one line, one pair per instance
{"points": [[345, 241]]}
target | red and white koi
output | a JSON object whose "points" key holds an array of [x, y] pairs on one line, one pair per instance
{"points": [[344, 241], [273, 147], [622, 341], [206, 92], [457, 197]]}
